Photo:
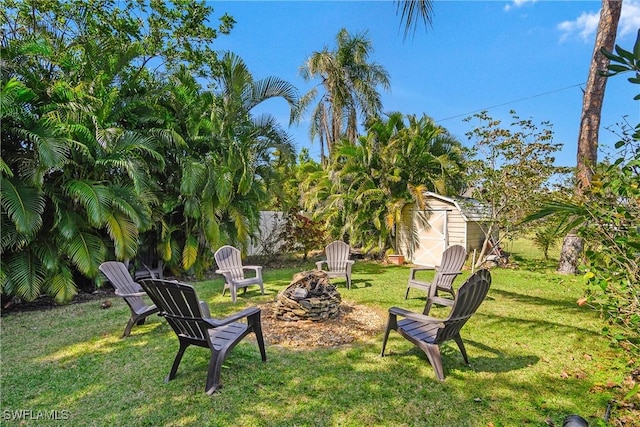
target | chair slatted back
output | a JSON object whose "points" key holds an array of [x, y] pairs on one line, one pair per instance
{"points": [[337, 255], [228, 258], [179, 304], [452, 261], [120, 278], [470, 296]]}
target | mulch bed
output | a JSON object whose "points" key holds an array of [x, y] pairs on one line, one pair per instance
{"points": [[355, 322]]}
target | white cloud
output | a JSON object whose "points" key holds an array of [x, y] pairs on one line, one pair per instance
{"points": [[586, 25], [517, 3], [629, 18]]}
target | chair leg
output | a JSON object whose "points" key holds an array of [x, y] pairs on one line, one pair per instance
{"points": [[176, 361], [458, 340], [127, 329], [406, 295], [255, 325], [392, 323], [213, 375], [234, 293], [433, 354], [433, 292], [427, 307]]}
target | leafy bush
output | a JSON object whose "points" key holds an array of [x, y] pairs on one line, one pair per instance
{"points": [[301, 233], [607, 217]]}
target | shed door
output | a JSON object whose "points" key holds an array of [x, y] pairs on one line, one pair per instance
{"points": [[432, 239]]}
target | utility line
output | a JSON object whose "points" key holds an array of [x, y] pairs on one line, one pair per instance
{"points": [[511, 102]]}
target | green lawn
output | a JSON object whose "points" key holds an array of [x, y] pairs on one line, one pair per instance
{"points": [[536, 356]]}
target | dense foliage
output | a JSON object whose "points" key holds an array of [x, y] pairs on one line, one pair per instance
{"points": [[301, 234], [366, 185], [511, 170], [113, 140], [606, 216]]}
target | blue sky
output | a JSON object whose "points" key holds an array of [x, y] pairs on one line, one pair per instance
{"points": [[529, 56]]}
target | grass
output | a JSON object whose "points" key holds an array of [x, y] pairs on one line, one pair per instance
{"points": [[536, 357]]}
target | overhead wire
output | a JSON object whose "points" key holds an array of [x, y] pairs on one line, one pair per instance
{"points": [[511, 102]]}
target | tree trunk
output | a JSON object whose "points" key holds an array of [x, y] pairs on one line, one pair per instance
{"points": [[571, 254], [594, 93], [590, 118]]}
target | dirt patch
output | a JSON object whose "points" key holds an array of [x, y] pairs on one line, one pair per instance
{"points": [[355, 322]]}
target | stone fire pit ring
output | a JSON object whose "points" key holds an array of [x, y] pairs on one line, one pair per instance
{"points": [[309, 296]]}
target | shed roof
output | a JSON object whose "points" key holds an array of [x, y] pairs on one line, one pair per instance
{"points": [[471, 209]]}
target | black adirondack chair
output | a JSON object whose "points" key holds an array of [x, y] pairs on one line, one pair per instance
{"points": [[427, 333], [179, 304]]}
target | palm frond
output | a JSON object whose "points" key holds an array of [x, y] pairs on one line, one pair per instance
{"points": [[24, 205], [210, 223], [26, 275], [62, 286], [194, 174], [124, 234], [189, 252], [93, 196], [412, 11], [270, 87], [86, 251]]}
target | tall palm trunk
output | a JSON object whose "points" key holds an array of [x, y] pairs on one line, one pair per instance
{"points": [[590, 122], [594, 92]]}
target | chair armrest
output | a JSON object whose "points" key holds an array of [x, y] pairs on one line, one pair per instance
{"points": [[225, 273], [319, 264], [135, 294], [450, 273], [256, 268], [411, 315], [215, 323], [414, 270], [350, 263]]}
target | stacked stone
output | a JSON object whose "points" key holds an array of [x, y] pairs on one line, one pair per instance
{"points": [[309, 296]]}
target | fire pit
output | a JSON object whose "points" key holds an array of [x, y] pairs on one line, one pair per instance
{"points": [[309, 296]]}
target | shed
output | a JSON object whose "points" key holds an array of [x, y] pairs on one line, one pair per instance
{"points": [[422, 236]]}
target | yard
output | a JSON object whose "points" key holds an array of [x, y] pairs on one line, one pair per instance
{"points": [[536, 356]]}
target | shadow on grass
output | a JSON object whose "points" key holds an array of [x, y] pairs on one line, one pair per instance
{"points": [[375, 268], [533, 264], [452, 358], [565, 304], [97, 376]]}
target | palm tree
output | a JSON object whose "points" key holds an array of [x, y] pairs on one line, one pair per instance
{"points": [[228, 164], [590, 121], [413, 10], [594, 91], [350, 85], [68, 158], [367, 184]]}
